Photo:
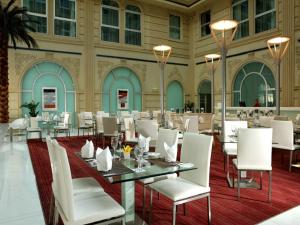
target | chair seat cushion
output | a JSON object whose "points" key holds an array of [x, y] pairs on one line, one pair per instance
{"points": [[230, 150], [86, 184], [92, 207], [61, 128], [250, 167], [37, 129], [295, 147], [178, 188], [158, 178]]}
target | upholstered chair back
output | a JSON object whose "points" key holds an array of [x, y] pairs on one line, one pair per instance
{"points": [[170, 137], [196, 149]]}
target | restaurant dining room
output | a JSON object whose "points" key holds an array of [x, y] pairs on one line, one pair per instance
{"points": [[150, 112]]}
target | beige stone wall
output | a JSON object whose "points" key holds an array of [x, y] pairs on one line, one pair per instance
{"points": [[89, 70], [288, 22]]}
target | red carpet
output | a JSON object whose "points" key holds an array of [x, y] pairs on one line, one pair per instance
{"points": [[252, 208]]}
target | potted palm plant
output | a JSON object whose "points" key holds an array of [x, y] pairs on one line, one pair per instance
{"points": [[15, 27], [32, 107]]}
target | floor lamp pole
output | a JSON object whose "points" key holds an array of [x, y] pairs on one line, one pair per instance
{"points": [[223, 108], [162, 87], [227, 30], [162, 54], [212, 90], [277, 47], [278, 89]]}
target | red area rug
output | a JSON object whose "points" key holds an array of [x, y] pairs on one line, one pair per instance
{"points": [[252, 208]]}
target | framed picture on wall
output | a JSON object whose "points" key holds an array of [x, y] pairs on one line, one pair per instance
{"points": [[122, 98], [49, 98]]}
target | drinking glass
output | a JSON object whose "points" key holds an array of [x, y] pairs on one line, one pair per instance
{"points": [[138, 152], [114, 145]]}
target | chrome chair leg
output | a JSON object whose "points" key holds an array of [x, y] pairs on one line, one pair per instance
{"points": [[291, 161], [174, 214], [208, 209], [238, 183], [270, 186], [261, 180]]}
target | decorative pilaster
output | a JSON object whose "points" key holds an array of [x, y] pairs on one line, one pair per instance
{"points": [[288, 62]]}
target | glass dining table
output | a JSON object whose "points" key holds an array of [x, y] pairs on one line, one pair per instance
{"points": [[124, 171]]}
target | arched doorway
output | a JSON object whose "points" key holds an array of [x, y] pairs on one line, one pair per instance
{"points": [[204, 93], [121, 83], [254, 81], [49, 75], [174, 96]]}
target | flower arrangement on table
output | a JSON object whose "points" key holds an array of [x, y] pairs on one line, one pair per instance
{"points": [[126, 151]]}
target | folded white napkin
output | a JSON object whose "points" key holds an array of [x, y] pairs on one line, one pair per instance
{"points": [[104, 160], [143, 142], [171, 152], [87, 151]]}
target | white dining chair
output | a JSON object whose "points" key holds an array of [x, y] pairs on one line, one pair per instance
{"points": [[80, 185], [190, 185], [85, 208], [170, 137], [82, 125], [230, 149], [148, 128], [265, 121], [283, 136], [63, 126], [110, 128], [130, 130], [254, 153], [192, 125]]}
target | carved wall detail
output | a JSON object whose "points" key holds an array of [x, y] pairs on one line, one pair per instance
{"points": [[175, 75]]}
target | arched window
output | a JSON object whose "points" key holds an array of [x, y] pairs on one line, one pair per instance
{"points": [[254, 81], [123, 80], [110, 21], [49, 75], [204, 93], [133, 25], [175, 96]]}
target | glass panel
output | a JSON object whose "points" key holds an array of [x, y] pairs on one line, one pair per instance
{"points": [[242, 30], [205, 17], [174, 30], [240, 11], [174, 33], [110, 34], [267, 73], [236, 98], [39, 24], [174, 21], [110, 17], [35, 6], [264, 5], [238, 80], [253, 67], [133, 8], [110, 3], [265, 22], [253, 88], [271, 98], [65, 9], [133, 21], [65, 28], [205, 30], [132, 37]]}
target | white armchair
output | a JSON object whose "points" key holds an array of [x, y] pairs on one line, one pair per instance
{"points": [[129, 130], [193, 184], [254, 153], [148, 128]]}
